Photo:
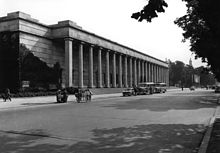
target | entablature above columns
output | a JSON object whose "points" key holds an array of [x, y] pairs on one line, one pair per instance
{"points": [[91, 38]]}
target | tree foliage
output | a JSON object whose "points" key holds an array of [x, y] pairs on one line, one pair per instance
{"points": [[150, 10], [182, 74], [201, 26]]}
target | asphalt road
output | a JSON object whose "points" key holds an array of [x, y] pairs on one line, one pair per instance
{"points": [[171, 122]]}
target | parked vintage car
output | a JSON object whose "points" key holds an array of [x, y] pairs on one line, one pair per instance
{"points": [[149, 87], [128, 92], [160, 87], [141, 91]]}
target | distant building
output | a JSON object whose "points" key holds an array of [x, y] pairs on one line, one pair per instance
{"points": [[36, 55], [190, 62]]}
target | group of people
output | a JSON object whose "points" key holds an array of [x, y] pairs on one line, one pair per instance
{"points": [[82, 95]]}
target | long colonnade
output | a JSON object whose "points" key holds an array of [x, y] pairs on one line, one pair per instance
{"points": [[131, 70]]}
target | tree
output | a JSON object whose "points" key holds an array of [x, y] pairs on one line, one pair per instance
{"points": [[206, 78], [182, 74], [176, 73], [201, 26]]}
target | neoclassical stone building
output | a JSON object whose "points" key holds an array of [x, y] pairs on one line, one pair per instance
{"points": [[84, 58]]}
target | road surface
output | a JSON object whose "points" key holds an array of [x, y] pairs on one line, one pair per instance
{"points": [[160, 123]]}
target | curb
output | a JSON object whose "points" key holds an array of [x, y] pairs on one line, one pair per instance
{"points": [[205, 142]]}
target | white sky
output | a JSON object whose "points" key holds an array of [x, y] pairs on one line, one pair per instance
{"points": [[111, 19]]}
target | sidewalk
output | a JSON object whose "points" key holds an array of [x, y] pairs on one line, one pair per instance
{"points": [[210, 142], [28, 101]]}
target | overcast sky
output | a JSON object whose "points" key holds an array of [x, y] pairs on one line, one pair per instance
{"points": [[111, 19]]}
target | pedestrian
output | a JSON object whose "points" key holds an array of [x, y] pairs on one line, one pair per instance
{"points": [[64, 95], [59, 96], [7, 95], [88, 95], [135, 90]]}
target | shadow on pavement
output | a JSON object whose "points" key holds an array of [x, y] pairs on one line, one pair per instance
{"points": [[175, 138], [161, 104], [33, 104]]}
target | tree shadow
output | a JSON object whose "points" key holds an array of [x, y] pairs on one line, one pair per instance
{"points": [[167, 103], [34, 104], [175, 138]]}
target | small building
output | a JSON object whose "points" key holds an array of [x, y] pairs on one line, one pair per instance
{"points": [[33, 54]]}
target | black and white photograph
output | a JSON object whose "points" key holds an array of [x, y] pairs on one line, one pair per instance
{"points": [[119, 76]]}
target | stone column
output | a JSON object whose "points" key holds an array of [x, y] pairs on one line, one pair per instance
{"points": [[120, 71], [68, 62], [130, 72], [155, 69], [80, 85], [114, 70], [150, 71], [125, 71], [153, 73], [158, 73], [139, 72], [164, 75], [107, 70], [135, 71], [167, 76], [142, 80], [91, 66], [100, 68], [146, 72]]}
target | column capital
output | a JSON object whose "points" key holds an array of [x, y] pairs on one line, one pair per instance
{"points": [[120, 54], [125, 55], [114, 52], [81, 42], [68, 39], [92, 45]]}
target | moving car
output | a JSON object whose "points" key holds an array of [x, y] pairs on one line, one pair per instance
{"points": [[128, 92]]}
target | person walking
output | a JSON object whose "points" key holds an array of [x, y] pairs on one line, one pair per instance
{"points": [[89, 95], [7, 94]]}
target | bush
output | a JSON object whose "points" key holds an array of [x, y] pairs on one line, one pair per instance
{"points": [[33, 94]]}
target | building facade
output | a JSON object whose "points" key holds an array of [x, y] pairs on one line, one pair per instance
{"points": [[66, 54]]}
